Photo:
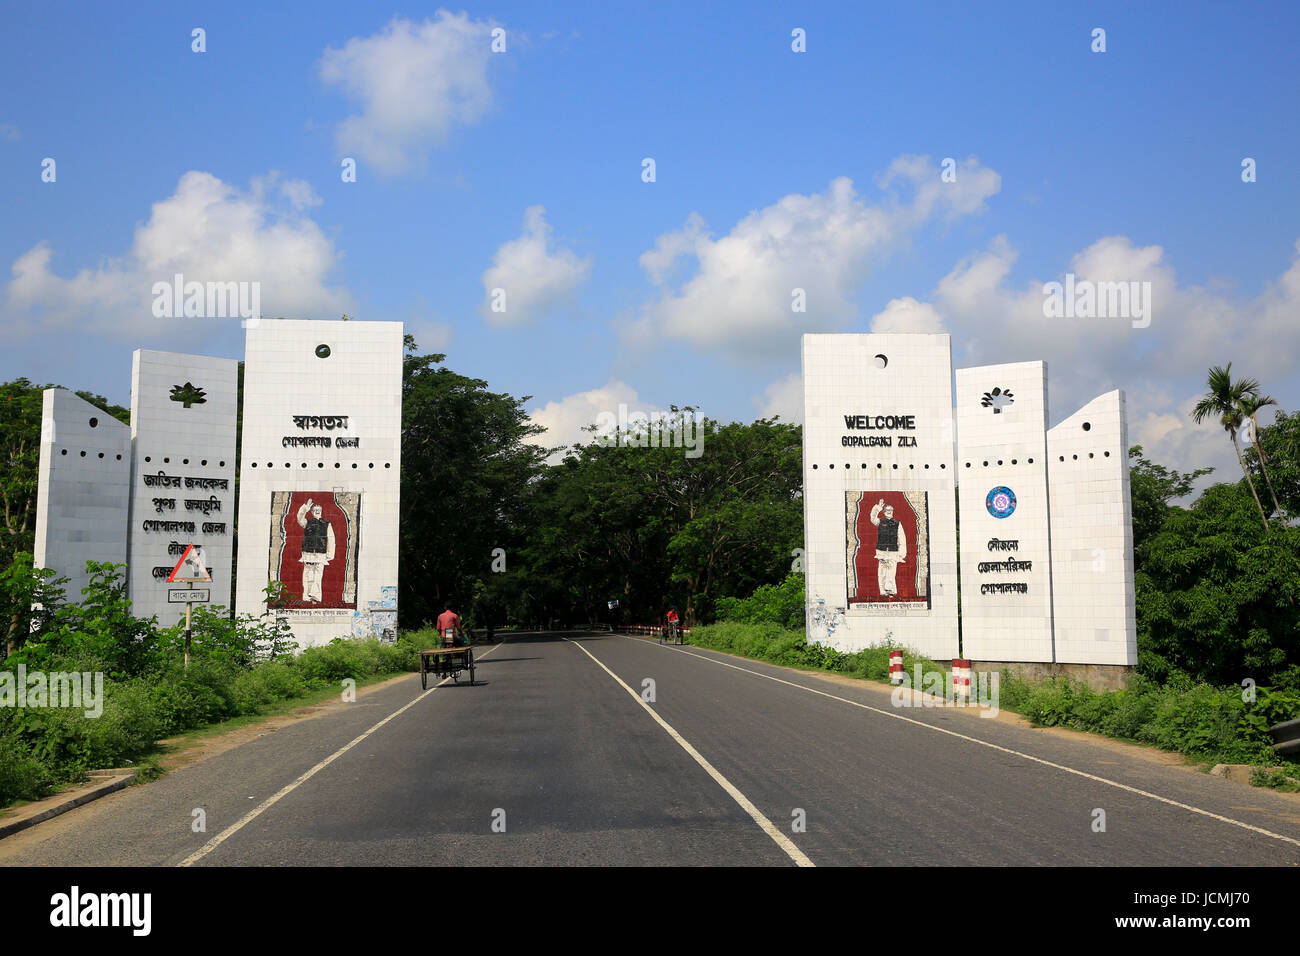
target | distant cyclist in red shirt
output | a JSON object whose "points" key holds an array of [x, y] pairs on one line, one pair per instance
{"points": [[674, 623], [449, 621]]}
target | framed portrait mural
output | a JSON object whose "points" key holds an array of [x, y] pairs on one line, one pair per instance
{"points": [[314, 547], [888, 550]]}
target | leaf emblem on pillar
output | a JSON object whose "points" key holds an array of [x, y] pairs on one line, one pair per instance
{"points": [[188, 395]]}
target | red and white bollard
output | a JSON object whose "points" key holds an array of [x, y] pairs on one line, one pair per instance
{"points": [[961, 680], [896, 667]]}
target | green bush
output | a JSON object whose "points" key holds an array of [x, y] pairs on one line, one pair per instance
{"points": [[780, 604], [1193, 719], [772, 643]]}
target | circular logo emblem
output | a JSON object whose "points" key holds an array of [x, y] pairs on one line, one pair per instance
{"points": [[1001, 502]]}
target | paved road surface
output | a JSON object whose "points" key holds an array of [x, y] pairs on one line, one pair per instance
{"points": [[552, 744]]}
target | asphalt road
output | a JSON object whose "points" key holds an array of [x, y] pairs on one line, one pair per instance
{"points": [[551, 760]]}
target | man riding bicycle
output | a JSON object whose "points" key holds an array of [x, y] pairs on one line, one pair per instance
{"points": [[674, 624], [449, 628]]}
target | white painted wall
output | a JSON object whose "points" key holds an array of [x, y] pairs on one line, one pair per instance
{"points": [[192, 444], [1004, 449], [362, 379], [1092, 535], [82, 488], [841, 378]]}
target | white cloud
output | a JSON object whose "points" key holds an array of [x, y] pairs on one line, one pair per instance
{"points": [[208, 231], [783, 398], [907, 315], [413, 81], [1162, 368], [565, 419], [534, 276], [741, 298]]}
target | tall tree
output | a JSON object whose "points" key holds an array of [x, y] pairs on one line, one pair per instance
{"points": [[1224, 400], [1251, 403], [1152, 487], [466, 468]]}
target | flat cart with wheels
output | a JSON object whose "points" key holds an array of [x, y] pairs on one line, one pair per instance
{"points": [[446, 662]]}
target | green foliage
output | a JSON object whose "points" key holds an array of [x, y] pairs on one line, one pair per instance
{"points": [[466, 473], [1193, 719], [238, 667], [1217, 595], [1152, 487], [98, 631], [1276, 778], [654, 528], [782, 604], [775, 644]]}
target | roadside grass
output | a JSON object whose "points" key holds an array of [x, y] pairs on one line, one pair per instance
{"points": [[45, 749], [1208, 725], [790, 648]]}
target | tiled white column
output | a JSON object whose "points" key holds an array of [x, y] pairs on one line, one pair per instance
{"points": [[879, 377], [82, 489], [1002, 443], [1092, 535], [313, 368], [183, 473]]}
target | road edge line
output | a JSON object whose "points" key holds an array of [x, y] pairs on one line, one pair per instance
{"points": [[1008, 750], [275, 798], [768, 827]]}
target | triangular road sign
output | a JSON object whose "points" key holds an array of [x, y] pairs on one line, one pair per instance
{"points": [[191, 569]]}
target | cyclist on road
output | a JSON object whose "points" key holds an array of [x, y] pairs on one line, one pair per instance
{"points": [[449, 620], [674, 622]]}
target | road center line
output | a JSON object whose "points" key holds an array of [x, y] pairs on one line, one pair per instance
{"points": [[985, 743], [769, 828], [266, 804]]}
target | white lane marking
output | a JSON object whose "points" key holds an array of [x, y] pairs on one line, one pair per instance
{"points": [[985, 743], [769, 828], [266, 804]]}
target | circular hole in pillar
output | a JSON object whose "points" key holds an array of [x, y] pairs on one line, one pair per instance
{"points": [[94, 423], [1087, 426], [63, 452], [101, 454], [322, 351], [880, 361], [83, 454]]}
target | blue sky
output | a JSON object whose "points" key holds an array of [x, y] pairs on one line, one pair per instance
{"points": [[1123, 165]]}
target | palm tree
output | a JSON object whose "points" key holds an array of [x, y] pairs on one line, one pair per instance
{"points": [[1250, 407], [1224, 399]]}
